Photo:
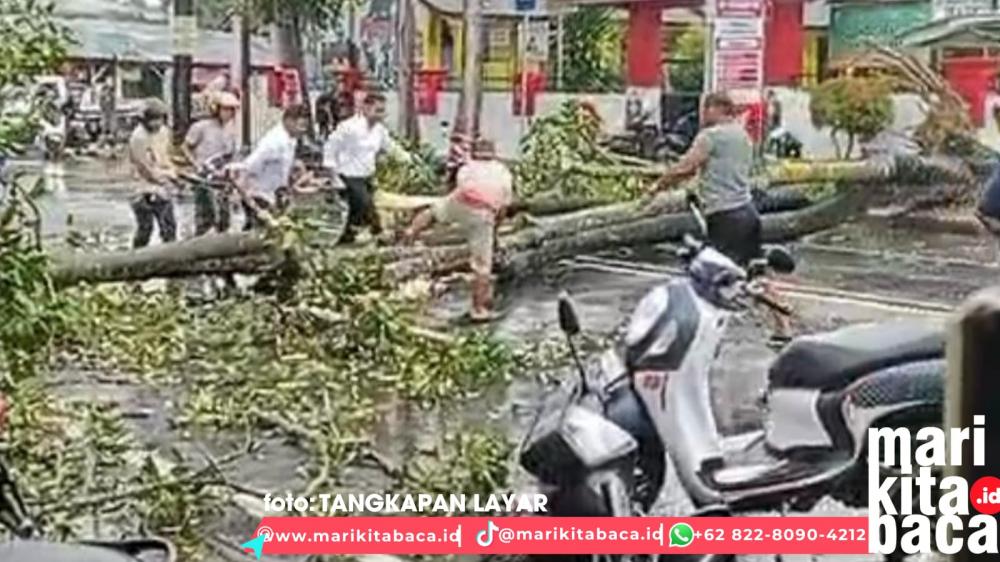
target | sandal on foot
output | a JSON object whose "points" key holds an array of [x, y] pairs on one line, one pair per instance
{"points": [[778, 342]]}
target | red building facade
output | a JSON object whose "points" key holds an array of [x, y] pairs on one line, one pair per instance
{"points": [[783, 53]]}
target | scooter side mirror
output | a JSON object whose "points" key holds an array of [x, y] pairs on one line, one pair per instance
{"points": [[780, 259], [569, 322]]}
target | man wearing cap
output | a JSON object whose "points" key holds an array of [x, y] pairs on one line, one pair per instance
{"points": [[211, 140], [149, 153], [482, 194]]}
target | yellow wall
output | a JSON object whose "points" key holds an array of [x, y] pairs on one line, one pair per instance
{"points": [[810, 59], [500, 62]]}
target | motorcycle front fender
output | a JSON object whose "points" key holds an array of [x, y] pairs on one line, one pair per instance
{"points": [[604, 493]]}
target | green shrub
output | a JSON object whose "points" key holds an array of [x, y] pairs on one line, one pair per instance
{"points": [[859, 107]]}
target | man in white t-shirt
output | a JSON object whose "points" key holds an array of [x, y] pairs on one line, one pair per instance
{"points": [[483, 193], [351, 151], [265, 176]]}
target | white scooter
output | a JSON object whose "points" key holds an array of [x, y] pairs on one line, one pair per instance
{"points": [[602, 450]]}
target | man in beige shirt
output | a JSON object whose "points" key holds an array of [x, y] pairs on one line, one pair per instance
{"points": [[149, 153]]}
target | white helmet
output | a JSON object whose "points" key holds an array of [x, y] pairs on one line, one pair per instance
{"points": [[226, 100]]}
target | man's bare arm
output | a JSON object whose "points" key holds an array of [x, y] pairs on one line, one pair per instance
{"points": [[687, 166]]}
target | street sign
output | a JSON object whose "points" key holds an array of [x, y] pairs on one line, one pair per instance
{"points": [[738, 54], [526, 5], [956, 8], [740, 8]]}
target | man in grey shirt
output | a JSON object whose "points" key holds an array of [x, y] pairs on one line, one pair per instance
{"points": [[208, 139], [722, 155]]}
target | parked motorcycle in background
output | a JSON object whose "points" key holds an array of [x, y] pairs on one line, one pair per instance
{"points": [[601, 450]]}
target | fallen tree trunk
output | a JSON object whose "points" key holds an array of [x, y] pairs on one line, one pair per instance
{"points": [[520, 251], [900, 169], [549, 238], [224, 253], [530, 251]]}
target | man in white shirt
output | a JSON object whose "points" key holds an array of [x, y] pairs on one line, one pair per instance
{"points": [[351, 150], [265, 176], [482, 196]]}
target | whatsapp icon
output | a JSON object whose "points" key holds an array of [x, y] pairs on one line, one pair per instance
{"points": [[681, 535]]}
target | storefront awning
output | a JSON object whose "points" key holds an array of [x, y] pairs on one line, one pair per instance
{"points": [[966, 30], [96, 38]]}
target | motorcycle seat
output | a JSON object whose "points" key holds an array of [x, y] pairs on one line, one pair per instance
{"points": [[835, 359]]}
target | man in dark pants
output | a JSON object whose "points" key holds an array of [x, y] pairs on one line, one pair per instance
{"points": [[722, 154], [988, 210], [207, 143], [149, 153], [351, 152]]}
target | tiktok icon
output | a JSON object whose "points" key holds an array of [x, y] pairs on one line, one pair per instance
{"points": [[485, 537]]}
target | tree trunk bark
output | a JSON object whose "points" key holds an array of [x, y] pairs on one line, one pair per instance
{"points": [[299, 62], [521, 251], [467, 120], [545, 240], [408, 123], [286, 37]]}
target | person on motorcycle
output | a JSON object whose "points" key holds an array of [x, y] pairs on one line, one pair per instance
{"points": [[149, 153], [265, 177], [351, 152], [482, 194], [722, 154], [208, 139]]}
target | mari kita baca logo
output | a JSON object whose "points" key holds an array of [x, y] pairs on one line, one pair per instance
{"points": [[903, 515]]}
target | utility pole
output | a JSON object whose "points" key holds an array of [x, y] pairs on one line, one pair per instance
{"points": [[245, 70], [185, 32], [973, 387], [471, 98]]}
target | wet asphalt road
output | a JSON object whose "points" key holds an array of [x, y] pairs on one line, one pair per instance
{"points": [[862, 257]]}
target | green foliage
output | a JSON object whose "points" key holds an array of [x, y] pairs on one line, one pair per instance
{"points": [[33, 44], [859, 107], [33, 312], [557, 141], [314, 365], [466, 463], [310, 14], [687, 61], [592, 40], [418, 177]]}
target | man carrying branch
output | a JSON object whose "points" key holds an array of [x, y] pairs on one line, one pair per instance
{"points": [[268, 175]]}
